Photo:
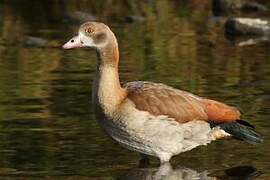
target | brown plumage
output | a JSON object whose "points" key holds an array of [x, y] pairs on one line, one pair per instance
{"points": [[159, 99], [220, 112]]}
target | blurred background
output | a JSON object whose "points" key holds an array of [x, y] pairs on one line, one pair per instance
{"points": [[47, 127]]}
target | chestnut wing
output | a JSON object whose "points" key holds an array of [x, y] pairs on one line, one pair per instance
{"points": [[159, 99]]}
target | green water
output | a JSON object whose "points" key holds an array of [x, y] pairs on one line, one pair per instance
{"points": [[47, 127]]}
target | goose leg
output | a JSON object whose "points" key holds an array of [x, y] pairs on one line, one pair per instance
{"points": [[144, 161]]}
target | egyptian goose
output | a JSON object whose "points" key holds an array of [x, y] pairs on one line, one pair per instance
{"points": [[152, 118]]}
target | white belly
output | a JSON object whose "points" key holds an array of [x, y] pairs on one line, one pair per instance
{"points": [[158, 136]]}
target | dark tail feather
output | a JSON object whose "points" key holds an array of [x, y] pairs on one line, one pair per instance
{"points": [[241, 130]]}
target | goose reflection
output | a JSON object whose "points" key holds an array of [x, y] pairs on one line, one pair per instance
{"points": [[167, 172]]}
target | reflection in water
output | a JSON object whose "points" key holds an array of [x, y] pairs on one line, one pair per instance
{"points": [[166, 172], [250, 41]]}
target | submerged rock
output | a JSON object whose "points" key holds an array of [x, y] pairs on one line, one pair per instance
{"points": [[221, 7], [132, 19], [30, 41], [253, 6], [247, 26], [251, 41], [79, 17], [225, 7]]}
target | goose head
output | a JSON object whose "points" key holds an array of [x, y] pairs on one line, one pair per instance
{"points": [[91, 34]]}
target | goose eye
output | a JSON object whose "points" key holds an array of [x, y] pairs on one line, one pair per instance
{"points": [[89, 30]]}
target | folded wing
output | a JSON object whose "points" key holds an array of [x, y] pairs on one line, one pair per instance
{"points": [[159, 99]]}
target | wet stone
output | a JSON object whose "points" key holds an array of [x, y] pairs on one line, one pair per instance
{"points": [[228, 7], [78, 17], [247, 26], [132, 19]]}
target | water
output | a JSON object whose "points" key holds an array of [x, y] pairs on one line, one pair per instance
{"points": [[47, 128]]}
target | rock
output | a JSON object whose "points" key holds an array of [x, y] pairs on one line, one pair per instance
{"points": [[222, 7], [225, 7], [132, 19], [253, 41], [253, 6], [247, 26], [30, 41], [242, 172], [79, 17]]}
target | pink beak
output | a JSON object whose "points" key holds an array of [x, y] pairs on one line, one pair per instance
{"points": [[74, 42]]}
